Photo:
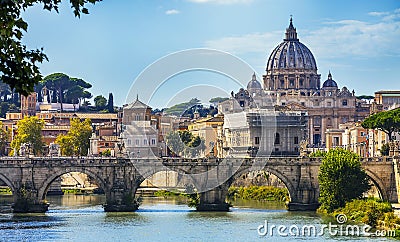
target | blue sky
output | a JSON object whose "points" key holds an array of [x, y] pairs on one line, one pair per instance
{"points": [[358, 41]]}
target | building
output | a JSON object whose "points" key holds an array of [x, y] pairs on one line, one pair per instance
{"points": [[207, 129], [139, 132], [28, 105], [292, 81], [385, 100], [264, 132]]}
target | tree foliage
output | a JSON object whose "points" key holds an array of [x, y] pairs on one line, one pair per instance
{"points": [[217, 100], [387, 121], [184, 142], [100, 102], [29, 130], [18, 65], [76, 141], [179, 109], [4, 136], [341, 179], [110, 104], [66, 89]]}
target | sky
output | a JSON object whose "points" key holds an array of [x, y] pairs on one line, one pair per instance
{"points": [[130, 47]]}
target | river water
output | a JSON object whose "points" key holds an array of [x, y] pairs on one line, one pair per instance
{"points": [[81, 218]]}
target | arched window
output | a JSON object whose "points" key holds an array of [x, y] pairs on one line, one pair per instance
{"points": [[277, 139]]}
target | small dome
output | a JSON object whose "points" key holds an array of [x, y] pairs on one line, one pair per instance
{"points": [[330, 82], [253, 83]]}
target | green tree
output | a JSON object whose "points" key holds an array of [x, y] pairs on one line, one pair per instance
{"points": [[67, 89], [217, 100], [180, 108], [341, 179], [100, 102], [184, 141], [387, 121], [29, 130], [4, 136], [195, 146], [66, 144], [385, 149], [76, 141], [18, 65], [110, 104], [174, 142]]}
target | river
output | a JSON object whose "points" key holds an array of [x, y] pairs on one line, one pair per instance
{"points": [[81, 218]]}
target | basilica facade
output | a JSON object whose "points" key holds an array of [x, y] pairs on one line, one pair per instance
{"points": [[292, 83]]}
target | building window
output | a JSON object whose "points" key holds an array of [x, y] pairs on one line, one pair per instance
{"points": [[329, 104], [291, 83], [153, 141], [129, 142], [344, 102], [107, 144], [277, 139], [303, 104], [317, 121], [145, 141], [137, 142], [335, 141], [283, 104], [301, 82], [282, 83], [257, 140], [296, 140]]}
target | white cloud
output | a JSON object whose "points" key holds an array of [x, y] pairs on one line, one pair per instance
{"points": [[172, 11], [221, 1], [255, 42], [378, 14], [356, 38]]}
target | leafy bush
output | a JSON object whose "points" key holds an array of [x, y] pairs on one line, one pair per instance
{"points": [[260, 193], [370, 211]]}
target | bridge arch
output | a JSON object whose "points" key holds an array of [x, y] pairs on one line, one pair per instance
{"points": [[8, 183], [46, 184], [378, 183], [280, 175], [157, 169]]}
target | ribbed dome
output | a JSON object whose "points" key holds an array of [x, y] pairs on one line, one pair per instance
{"points": [[291, 54], [253, 83], [330, 82]]}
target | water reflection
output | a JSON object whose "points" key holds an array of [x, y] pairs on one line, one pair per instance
{"points": [[82, 218]]}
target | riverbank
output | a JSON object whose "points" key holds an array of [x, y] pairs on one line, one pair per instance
{"points": [[372, 211], [258, 193], [5, 190]]}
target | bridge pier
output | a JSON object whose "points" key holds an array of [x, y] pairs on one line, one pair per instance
{"points": [[213, 200], [27, 201], [120, 199]]}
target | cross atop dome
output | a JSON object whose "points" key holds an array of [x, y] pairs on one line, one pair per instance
{"points": [[291, 34], [329, 75]]}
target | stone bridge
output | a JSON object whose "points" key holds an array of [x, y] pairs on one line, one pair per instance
{"points": [[30, 178]]}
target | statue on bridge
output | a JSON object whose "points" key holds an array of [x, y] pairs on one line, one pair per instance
{"points": [[54, 149], [24, 149], [303, 148]]}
